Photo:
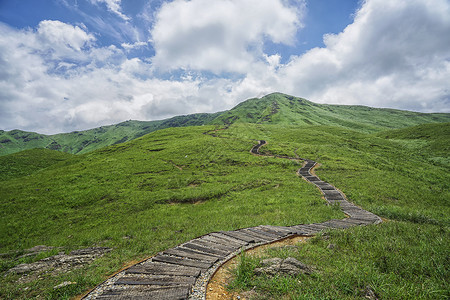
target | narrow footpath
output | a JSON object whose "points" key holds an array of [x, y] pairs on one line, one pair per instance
{"points": [[183, 272]]}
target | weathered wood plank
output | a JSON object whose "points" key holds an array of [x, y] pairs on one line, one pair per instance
{"points": [[263, 232], [303, 230], [228, 237], [209, 244], [163, 269], [182, 261], [159, 280], [312, 178], [222, 241], [259, 237], [278, 229], [242, 237], [167, 293], [205, 249], [181, 252]]}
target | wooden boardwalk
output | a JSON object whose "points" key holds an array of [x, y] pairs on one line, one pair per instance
{"points": [[172, 274]]}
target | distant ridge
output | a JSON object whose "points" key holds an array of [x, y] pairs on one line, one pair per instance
{"points": [[275, 108]]}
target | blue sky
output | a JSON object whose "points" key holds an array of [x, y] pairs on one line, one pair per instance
{"points": [[77, 64]]}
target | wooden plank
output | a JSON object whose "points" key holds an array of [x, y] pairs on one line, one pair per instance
{"points": [[200, 252], [279, 229], [303, 230], [261, 237], [222, 241], [356, 221], [312, 178], [334, 197], [209, 244], [159, 280], [314, 228], [270, 235], [242, 237], [181, 252], [318, 226], [331, 193], [182, 261], [230, 238], [204, 249], [326, 187], [163, 269], [167, 293]]}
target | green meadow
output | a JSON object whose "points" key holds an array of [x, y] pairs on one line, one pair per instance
{"points": [[169, 186]]}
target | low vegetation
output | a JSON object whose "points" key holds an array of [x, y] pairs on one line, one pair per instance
{"points": [[403, 258], [159, 190], [275, 108]]}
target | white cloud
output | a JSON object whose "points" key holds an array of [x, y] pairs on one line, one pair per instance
{"points": [[60, 40], [113, 6], [55, 78], [128, 46], [394, 54], [222, 35]]}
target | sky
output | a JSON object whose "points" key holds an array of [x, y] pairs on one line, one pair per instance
{"points": [[70, 65]]}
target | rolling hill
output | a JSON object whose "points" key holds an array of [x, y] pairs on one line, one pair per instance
{"points": [[159, 190], [275, 108]]}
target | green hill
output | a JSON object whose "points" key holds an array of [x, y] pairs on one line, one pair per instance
{"points": [[431, 140], [283, 109], [78, 142], [159, 190], [272, 109], [28, 162]]}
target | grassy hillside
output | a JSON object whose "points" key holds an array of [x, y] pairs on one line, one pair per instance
{"points": [[164, 188], [78, 142], [28, 162], [275, 108], [431, 140], [283, 109]]}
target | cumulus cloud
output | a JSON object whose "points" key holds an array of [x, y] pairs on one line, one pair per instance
{"points": [[222, 35], [394, 54], [55, 77]]}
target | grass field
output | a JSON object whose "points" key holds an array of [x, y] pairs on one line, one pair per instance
{"points": [[401, 175], [274, 108], [167, 187]]}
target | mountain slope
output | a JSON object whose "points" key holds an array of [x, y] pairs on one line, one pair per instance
{"points": [[283, 109], [78, 142], [28, 162], [275, 108], [426, 140], [155, 192]]}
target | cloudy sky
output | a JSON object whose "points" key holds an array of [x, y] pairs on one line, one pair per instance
{"points": [[76, 64]]}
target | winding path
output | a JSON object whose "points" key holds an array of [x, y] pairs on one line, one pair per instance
{"points": [[184, 271]]}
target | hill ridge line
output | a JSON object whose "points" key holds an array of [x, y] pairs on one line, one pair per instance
{"points": [[183, 272]]}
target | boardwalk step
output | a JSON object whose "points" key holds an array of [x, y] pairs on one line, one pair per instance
{"points": [[182, 252], [182, 261], [263, 234], [217, 246], [175, 293], [221, 239], [312, 178], [163, 269], [196, 246], [159, 280], [230, 238], [240, 236], [285, 231]]}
